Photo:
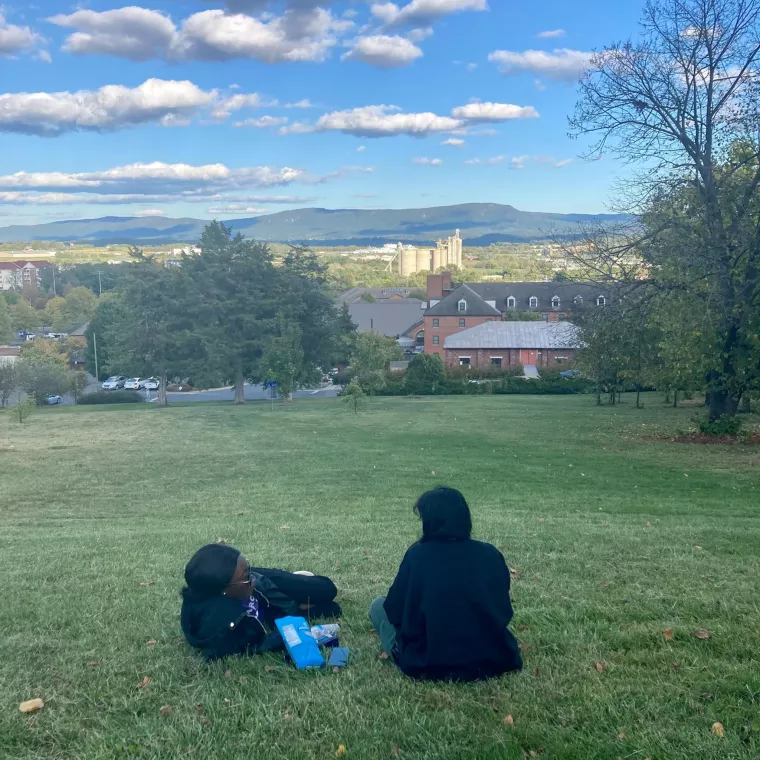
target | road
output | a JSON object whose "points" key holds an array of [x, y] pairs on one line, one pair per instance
{"points": [[252, 393]]}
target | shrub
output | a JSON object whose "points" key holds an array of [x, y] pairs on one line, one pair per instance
{"points": [[112, 397], [722, 426], [23, 410], [424, 374]]}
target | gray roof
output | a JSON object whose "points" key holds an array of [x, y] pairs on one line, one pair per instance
{"points": [[80, 331], [558, 335], [390, 318], [379, 294], [476, 305]]}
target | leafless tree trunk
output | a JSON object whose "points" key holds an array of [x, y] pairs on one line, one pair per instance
{"points": [[239, 385], [161, 399]]}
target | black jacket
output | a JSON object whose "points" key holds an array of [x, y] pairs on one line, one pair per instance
{"points": [[450, 605], [218, 625]]}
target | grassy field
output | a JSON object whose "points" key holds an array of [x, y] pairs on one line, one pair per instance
{"points": [[614, 539]]}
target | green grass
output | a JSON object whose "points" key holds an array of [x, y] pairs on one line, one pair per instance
{"points": [[603, 527]]}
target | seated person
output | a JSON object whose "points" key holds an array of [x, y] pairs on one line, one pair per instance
{"points": [[447, 612], [228, 607]]}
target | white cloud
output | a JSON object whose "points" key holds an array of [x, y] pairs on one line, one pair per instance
{"points": [[135, 33], [44, 56], [390, 121], [263, 122], [561, 65], [423, 12], [470, 67], [383, 51], [236, 209], [361, 149], [493, 112], [417, 35], [454, 142], [109, 108], [151, 212], [305, 103], [427, 161], [26, 198], [551, 34], [520, 162], [486, 161], [539, 85], [299, 34], [16, 39], [224, 107]]}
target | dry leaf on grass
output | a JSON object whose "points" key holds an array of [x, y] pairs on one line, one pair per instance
{"points": [[599, 666], [525, 646], [622, 735], [522, 627], [206, 723], [538, 672], [146, 583], [284, 527], [717, 729], [341, 751], [94, 662], [269, 668], [199, 708], [165, 711], [383, 655], [31, 705], [698, 548], [396, 751], [701, 634], [144, 682], [668, 634], [509, 721], [151, 642], [228, 674], [648, 525]]}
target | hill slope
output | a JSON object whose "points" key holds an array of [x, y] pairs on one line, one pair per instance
{"points": [[479, 223]]}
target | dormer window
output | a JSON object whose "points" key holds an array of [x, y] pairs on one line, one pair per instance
{"points": [[462, 305], [601, 301], [555, 302], [533, 302], [511, 302], [578, 300]]}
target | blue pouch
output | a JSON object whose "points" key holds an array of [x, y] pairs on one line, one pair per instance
{"points": [[296, 634]]}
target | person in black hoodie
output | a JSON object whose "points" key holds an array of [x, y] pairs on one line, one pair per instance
{"points": [[229, 607], [447, 613]]}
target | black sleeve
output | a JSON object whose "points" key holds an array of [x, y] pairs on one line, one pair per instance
{"points": [[501, 592], [247, 637], [395, 602], [304, 589]]}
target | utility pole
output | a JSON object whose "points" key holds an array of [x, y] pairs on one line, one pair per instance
{"points": [[100, 284], [54, 291], [95, 346]]}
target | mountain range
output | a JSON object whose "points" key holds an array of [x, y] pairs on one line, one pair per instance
{"points": [[479, 224]]}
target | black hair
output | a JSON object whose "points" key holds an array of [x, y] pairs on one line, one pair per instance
{"points": [[444, 514], [211, 568]]}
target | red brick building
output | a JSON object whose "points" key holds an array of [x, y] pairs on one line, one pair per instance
{"points": [[504, 344], [21, 275]]}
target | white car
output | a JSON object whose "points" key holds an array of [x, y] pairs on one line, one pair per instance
{"points": [[134, 384], [114, 383], [151, 384], [54, 398]]}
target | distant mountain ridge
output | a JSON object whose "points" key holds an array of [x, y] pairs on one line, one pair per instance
{"points": [[479, 224]]}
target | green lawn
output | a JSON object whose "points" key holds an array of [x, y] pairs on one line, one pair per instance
{"points": [[614, 540]]}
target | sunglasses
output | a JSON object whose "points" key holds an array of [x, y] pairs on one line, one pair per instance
{"points": [[249, 579]]}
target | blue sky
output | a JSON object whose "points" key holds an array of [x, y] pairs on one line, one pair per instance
{"points": [[231, 108]]}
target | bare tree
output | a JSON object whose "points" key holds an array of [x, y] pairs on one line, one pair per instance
{"points": [[682, 105]]}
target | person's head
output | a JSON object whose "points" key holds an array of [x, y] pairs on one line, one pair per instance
{"points": [[444, 514], [217, 569]]}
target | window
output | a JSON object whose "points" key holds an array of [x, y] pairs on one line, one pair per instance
{"points": [[436, 340], [420, 338], [601, 301], [533, 302], [436, 323], [462, 305], [464, 361], [511, 302], [578, 300], [496, 361], [555, 302], [461, 323]]}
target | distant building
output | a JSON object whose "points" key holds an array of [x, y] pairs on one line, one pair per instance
{"points": [[21, 275], [9, 354], [410, 260]]}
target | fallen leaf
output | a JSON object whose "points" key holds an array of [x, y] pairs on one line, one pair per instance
{"points": [[165, 711], [541, 519], [383, 655], [199, 708], [341, 751], [143, 683], [206, 723], [151, 642], [514, 570], [501, 548], [269, 668], [648, 525], [228, 674], [396, 751], [599, 666], [525, 646], [522, 627], [146, 583], [284, 527], [604, 585], [94, 662], [676, 665], [717, 729], [287, 716], [538, 672], [698, 548], [336, 669], [244, 680], [433, 472], [622, 735], [606, 524], [509, 721], [31, 705], [700, 634], [668, 634]]}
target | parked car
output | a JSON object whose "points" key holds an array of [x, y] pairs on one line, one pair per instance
{"points": [[134, 384], [114, 383], [151, 384], [569, 374], [55, 399]]}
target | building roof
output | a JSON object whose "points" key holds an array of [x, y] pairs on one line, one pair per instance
{"points": [[379, 294], [497, 335], [477, 306], [9, 350], [80, 331], [21, 263], [570, 294], [390, 318]]}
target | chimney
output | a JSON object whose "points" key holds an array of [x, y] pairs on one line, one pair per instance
{"points": [[434, 287], [446, 282]]}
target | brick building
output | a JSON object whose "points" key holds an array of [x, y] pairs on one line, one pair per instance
{"points": [[21, 275], [504, 344]]}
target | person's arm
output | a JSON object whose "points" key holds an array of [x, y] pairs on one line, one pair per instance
{"points": [[502, 580], [303, 589], [395, 602]]}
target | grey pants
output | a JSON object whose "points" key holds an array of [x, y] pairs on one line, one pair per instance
{"points": [[385, 629]]}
